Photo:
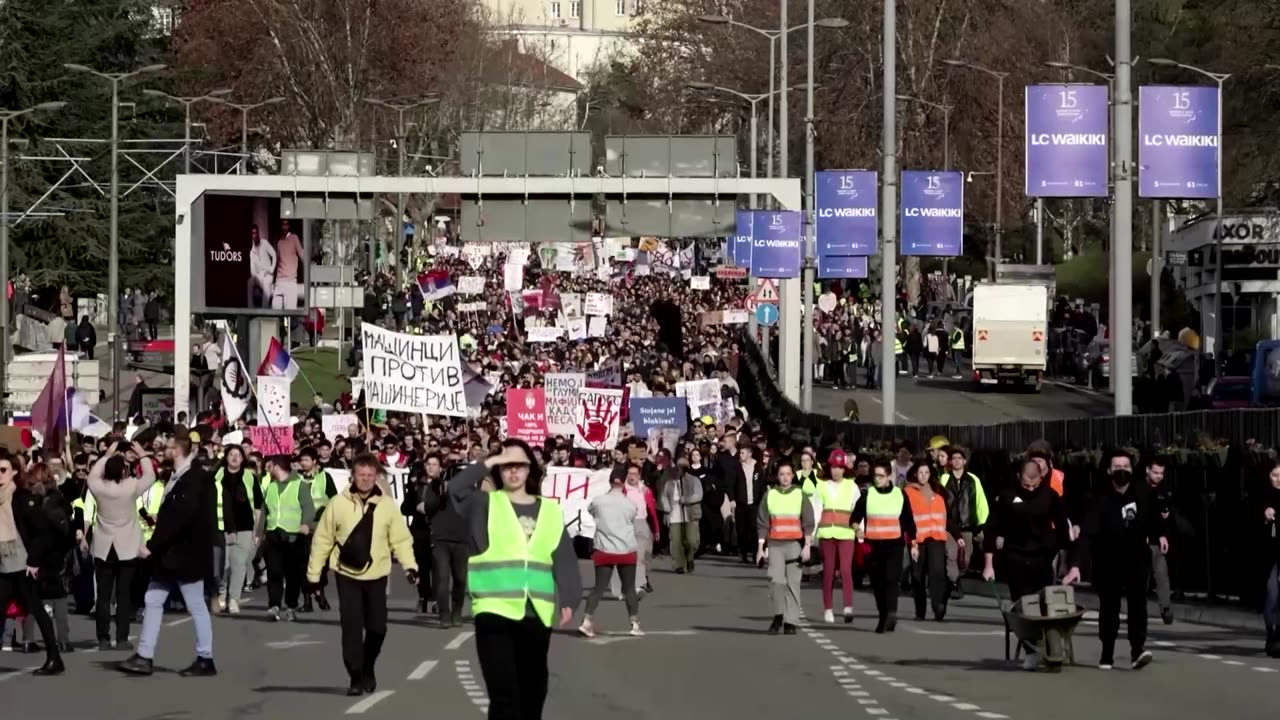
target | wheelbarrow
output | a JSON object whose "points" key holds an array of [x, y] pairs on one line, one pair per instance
{"points": [[1050, 635]]}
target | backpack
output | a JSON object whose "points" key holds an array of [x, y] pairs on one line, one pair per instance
{"points": [[357, 552]]}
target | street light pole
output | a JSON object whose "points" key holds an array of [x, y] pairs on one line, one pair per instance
{"points": [[5, 117], [807, 274], [1218, 331], [1122, 250], [186, 103], [889, 215], [402, 139], [113, 262], [244, 109], [999, 76]]}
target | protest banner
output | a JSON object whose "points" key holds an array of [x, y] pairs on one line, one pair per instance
{"points": [[475, 253], [574, 489], [334, 426], [512, 277], [478, 306], [412, 373], [700, 282], [527, 415], [598, 327], [542, 333], [577, 328], [698, 392], [271, 439], [571, 305], [561, 395], [596, 418], [655, 413], [471, 285], [273, 399], [599, 304]]}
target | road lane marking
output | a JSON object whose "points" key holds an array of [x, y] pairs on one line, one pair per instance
{"points": [[992, 715], [965, 706], [425, 667], [1206, 656], [459, 641], [15, 673], [179, 621], [956, 633], [1263, 669], [369, 701]]}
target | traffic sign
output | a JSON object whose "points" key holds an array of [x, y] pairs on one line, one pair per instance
{"points": [[766, 314], [767, 290]]}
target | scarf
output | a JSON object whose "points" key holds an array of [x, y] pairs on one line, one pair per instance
{"points": [[8, 528]]}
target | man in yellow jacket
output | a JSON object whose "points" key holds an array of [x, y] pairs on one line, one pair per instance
{"points": [[356, 536]]}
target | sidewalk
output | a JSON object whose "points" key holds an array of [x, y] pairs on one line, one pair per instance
{"points": [[1200, 613]]}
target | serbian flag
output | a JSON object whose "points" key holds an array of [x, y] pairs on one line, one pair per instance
{"points": [[278, 362], [436, 285]]}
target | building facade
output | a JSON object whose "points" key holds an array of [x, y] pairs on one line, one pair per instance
{"points": [[573, 35], [1250, 279]]}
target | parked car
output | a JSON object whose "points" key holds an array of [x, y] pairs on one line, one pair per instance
{"points": [[1226, 393], [1093, 364]]}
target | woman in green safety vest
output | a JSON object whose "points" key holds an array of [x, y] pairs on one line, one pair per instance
{"points": [[522, 569]]}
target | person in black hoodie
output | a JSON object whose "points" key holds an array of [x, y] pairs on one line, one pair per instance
{"points": [[54, 580], [30, 545], [1268, 508], [449, 552], [1118, 527], [180, 553], [414, 510]]}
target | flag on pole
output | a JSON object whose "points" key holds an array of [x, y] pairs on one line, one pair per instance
{"points": [[436, 285], [49, 413], [235, 383], [278, 362]]}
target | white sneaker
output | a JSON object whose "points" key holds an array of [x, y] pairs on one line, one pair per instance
{"points": [[222, 604], [1031, 662], [587, 628], [828, 616], [635, 629], [1142, 660], [848, 615], [274, 613], [233, 607]]}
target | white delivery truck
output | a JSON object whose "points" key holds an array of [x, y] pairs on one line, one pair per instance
{"points": [[1010, 333]]}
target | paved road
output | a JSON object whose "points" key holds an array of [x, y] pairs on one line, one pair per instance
{"points": [[706, 656], [947, 401]]}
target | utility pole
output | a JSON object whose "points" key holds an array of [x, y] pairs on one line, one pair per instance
{"points": [[889, 215], [1122, 332]]}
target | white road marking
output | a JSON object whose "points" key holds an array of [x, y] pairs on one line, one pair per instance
{"points": [[1233, 662], [1264, 669], [876, 400], [16, 673], [179, 621], [368, 702], [942, 698], [965, 706], [957, 633], [992, 715], [877, 711], [857, 693], [867, 701], [1164, 643], [1211, 657], [915, 691], [423, 669], [459, 641]]}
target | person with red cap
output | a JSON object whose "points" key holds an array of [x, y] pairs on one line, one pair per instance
{"points": [[836, 497]]}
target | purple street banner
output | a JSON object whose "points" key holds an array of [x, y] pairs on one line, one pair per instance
{"points": [[932, 213], [1178, 131], [847, 221], [740, 243], [841, 267], [1066, 134], [777, 245]]}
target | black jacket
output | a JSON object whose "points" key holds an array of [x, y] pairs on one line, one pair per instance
{"points": [[1032, 523], [1120, 525], [962, 506], [182, 544], [44, 524], [447, 525]]}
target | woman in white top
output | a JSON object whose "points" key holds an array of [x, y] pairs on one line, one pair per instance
{"points": [[115, 538]]}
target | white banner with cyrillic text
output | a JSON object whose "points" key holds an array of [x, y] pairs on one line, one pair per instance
{"points": [[412, 373]]}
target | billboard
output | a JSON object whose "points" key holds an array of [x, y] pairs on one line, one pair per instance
{"points": [[932, 213], [1066, 141], [740, 243], [1178, 141], [248, 259], [777, 245], [847, 222], [839, 267]]}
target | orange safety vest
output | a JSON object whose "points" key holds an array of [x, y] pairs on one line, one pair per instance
{"points": [[1055, 481], [884, 511], [930, 516], [784, 514]]}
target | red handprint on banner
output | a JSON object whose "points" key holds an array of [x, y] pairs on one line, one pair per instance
{"points": [[597, 420]]}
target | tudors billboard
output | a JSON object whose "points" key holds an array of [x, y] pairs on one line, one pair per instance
{"points": [[249, 260], [1066, 137]]}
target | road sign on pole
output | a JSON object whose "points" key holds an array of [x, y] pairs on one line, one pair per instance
{"points": [[766, 314], [767, 290]]}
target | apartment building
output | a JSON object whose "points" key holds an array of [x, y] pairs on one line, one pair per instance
{"points": [[572, 35]]}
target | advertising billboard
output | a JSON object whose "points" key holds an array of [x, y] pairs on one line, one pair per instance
{"points": [[740, 243], [249, 260], [842, 267], [932, 213], [1066, 141], [1178, 141], [777, 245], [847, 220]]}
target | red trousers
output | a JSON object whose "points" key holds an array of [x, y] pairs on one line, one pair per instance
{"points": [[837, 551]]}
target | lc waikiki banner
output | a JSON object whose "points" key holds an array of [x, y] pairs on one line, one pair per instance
{"points": [[1179, 153], [932, 213], [777, 246], [1066, 131], [847, 223], [740, 243]]}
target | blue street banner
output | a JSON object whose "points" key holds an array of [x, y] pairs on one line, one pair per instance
{"points": [[777, 246], [740, 243], [842, 267], [656, 413], [847, 221], [932, 213], [1179, 153], [1066, 138]]}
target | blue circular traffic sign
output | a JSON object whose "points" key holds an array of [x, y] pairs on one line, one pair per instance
{"points": [[767, 314]]}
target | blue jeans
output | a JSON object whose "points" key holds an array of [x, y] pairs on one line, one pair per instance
{"points": [[193, 595]]}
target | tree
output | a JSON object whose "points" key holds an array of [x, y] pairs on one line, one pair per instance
{"points": [[36, 38]]}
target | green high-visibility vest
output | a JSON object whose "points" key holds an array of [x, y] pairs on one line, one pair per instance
{"points": [[785, 514], [957, 339], [284, 512], [319, 490], [515, 571], [837, 508], [246, 477], [884, 513], [88, 507], [809, 481], [897, 346], [150, 502]]}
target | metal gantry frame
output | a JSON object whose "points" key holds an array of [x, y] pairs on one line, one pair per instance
{"points": [[190, 188]]}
